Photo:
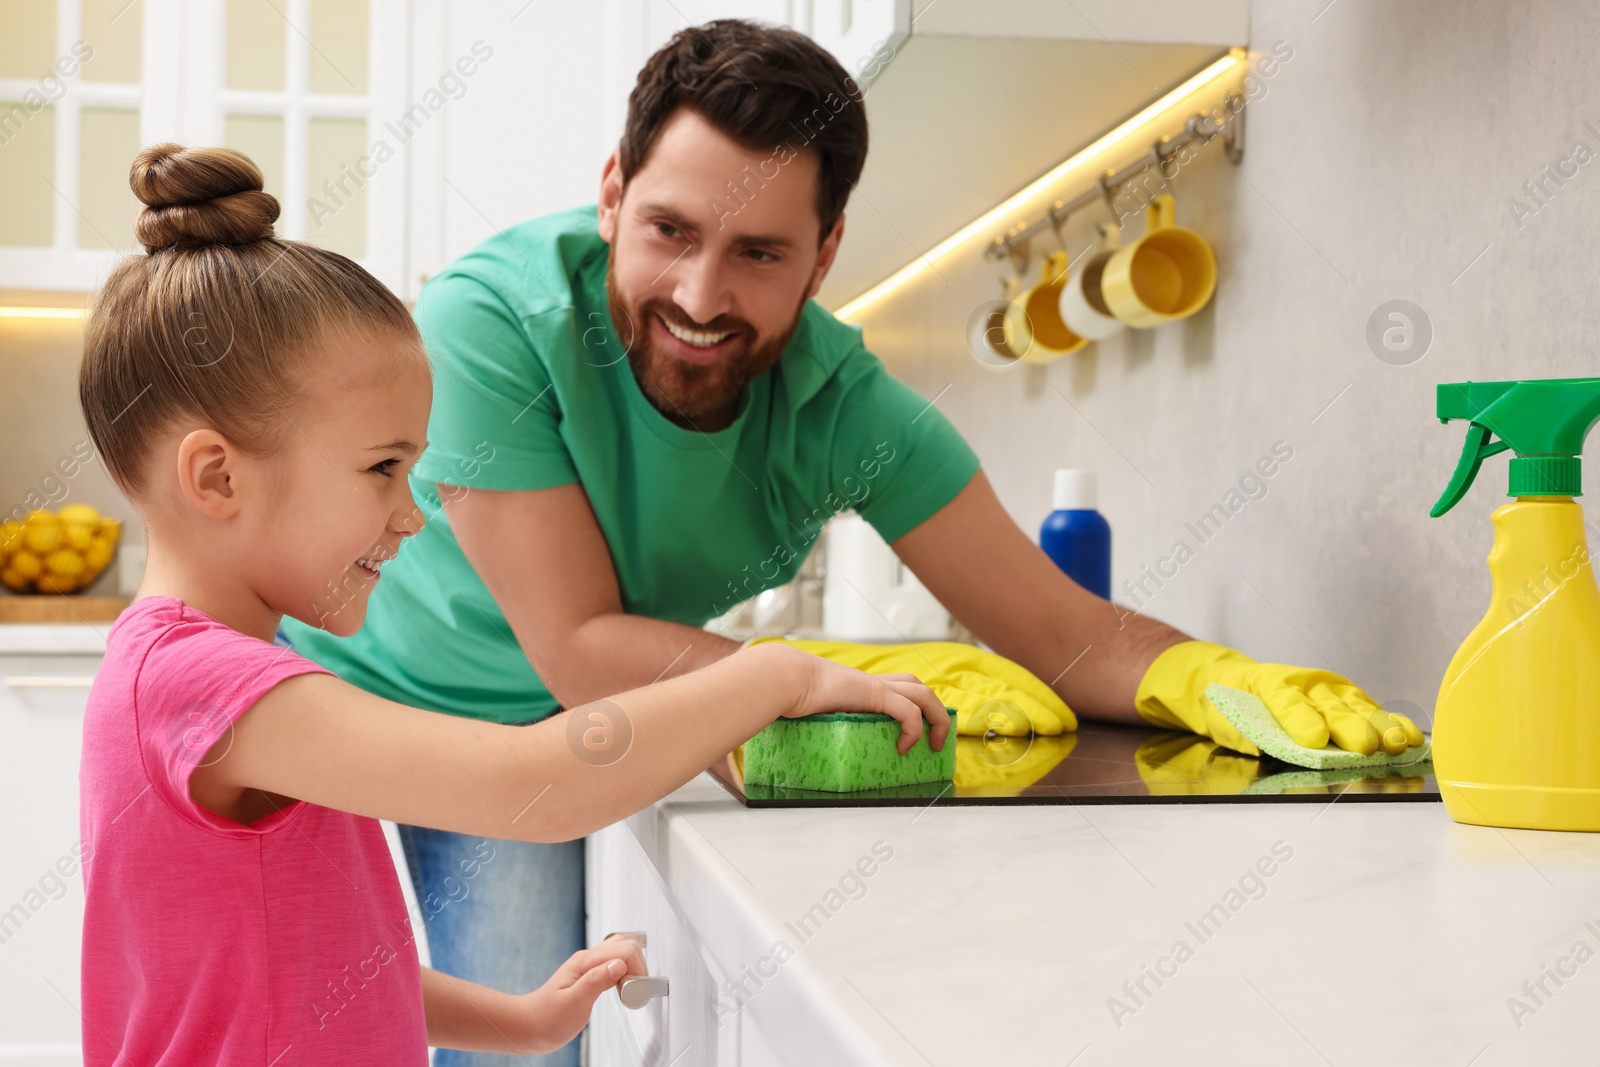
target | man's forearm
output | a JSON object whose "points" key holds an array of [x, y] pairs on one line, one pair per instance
{"points": [[1117, 648], [559, 593], [1092, 652], [613, 653], [1006, 591]]}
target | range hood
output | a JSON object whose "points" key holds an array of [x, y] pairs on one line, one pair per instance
{"points": [[971, 101]]}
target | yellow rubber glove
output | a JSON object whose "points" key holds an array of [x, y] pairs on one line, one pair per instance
{"points": [[989, 693], [1314, 706]]}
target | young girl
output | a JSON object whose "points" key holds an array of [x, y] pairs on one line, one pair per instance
{"points": [[260, 401]]}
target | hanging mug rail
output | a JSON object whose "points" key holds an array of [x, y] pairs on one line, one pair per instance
{"points": [[1202, 128]]}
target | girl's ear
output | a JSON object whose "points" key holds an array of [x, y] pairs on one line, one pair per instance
{"points": [[208, 468]]}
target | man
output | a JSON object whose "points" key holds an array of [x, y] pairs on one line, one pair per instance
{"points": [[640, 418]]}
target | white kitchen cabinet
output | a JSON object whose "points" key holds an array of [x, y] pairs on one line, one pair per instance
{"points": [[530, 132], [42, 700], [626, 893], [754, 1049]]}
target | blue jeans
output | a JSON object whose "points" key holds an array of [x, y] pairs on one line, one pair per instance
{"points": [[504, 914]]}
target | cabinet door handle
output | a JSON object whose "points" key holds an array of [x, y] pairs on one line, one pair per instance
{"points": [[49, 681], [637, 990]]}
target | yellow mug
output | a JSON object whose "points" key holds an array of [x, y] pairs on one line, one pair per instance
{"points": [[1167, 274], [1044, 337]]}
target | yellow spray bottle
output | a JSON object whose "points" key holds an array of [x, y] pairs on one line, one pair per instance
{"points": [[1516, 737]]}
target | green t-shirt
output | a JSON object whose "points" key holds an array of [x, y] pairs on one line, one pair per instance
{"points": [[532, 390]]}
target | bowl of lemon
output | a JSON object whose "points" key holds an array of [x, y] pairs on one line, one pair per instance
{"points": [[60, 551]]}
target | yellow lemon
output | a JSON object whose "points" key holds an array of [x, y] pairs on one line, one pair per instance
{"points": [[55, 583], [10, 535], [109, 528], [78, 535], [98, 554], [64, 562], [84, 513], [26, 564], [12, 580], [42, 538]]}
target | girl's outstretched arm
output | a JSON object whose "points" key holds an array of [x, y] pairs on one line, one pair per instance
{"points": [[316, 738]]}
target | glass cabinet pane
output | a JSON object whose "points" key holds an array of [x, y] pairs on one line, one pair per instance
{"points": [[339, 46], [27, 167], [336, 196], [28, 39], [261, 138], [109, 140], [256, 45], [113, 28]]}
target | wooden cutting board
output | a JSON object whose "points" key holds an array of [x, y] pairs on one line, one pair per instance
{"points": [[59, 608]]}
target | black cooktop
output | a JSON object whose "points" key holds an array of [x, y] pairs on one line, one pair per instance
{"points": [[1105, 764]]}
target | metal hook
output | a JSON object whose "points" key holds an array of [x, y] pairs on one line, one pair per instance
{"points": [[1201, 127], [1233, 131], [1057, 218], [1160, 159], [1017, 253], [1109, 192]]}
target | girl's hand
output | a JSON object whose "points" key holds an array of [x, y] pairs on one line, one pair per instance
{"points": [[829, 686], [558, 1010]]}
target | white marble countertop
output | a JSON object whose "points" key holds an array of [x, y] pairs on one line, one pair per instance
{"points": [[1384, 932], [59, 638]]}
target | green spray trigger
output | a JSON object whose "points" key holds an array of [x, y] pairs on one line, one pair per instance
{"points": [[1543, 421], [1477, 449]]}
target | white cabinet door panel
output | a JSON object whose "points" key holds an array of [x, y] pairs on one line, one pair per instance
{"points": [[42, 699], [626, 893]]}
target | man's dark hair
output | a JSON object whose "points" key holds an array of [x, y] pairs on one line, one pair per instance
{"points": [[766, 88]]}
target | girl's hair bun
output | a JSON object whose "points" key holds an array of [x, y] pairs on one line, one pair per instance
{"points": [[199, 196]]}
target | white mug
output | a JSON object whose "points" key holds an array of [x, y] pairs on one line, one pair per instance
{"points": [[1083, 308]]}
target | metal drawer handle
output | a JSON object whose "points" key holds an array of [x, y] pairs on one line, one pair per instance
{"points": [[631, 935], [48, 681], [637, 990]]}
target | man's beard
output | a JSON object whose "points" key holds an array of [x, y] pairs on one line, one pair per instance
{"points": [[689, 392]]}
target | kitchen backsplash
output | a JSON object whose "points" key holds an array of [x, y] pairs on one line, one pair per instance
{"points": [[1383, 160]]}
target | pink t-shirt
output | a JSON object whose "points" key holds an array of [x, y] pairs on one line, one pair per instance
{"points": [[284, 942]]}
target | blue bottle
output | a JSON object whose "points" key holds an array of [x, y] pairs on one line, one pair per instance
{"points": [[1076, 536]]}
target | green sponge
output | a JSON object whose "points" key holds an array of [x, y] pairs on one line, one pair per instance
{"points": [[842, 752], [1258, 724]]}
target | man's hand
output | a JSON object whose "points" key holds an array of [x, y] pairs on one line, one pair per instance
{"points": [[1314, 706]]}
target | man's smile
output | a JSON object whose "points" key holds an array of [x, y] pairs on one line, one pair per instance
{"points": [[694, 346]]}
